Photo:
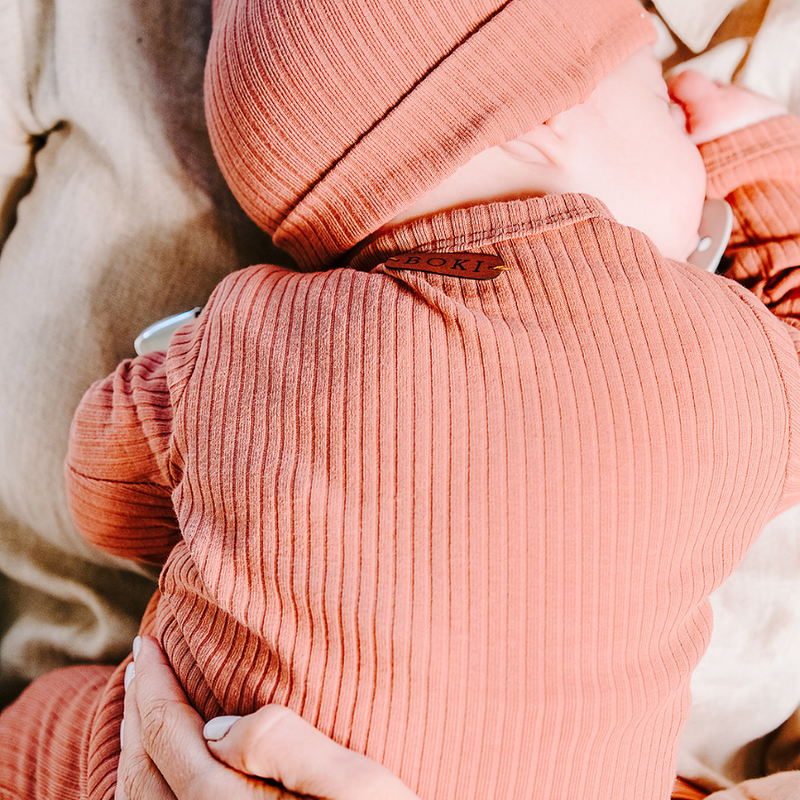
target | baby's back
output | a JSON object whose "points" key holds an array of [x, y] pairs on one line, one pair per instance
{"points": [[469, 528]]}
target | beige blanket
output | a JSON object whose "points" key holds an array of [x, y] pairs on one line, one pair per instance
{"points": [[112, 214], [123, 218]]}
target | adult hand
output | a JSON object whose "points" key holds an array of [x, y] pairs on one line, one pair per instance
{"points": [[713, 110], [166, 756]]}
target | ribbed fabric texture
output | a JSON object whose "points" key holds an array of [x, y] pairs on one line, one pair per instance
{"points": [[328, 116], [44, 742], [468, 528]]}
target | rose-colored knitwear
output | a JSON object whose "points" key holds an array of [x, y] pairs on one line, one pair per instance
{"points": [[466, 527], [329, 116]]}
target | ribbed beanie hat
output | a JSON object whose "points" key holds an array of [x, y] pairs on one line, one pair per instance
{"points": [[328, 117]]}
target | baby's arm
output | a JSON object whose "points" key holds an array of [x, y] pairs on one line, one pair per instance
{"points": [[118, 465], [756, 168], [751, 148]]}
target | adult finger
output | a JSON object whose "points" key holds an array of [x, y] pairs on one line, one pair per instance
{"points": [[137, 776], [171, 732], [276, 743]]}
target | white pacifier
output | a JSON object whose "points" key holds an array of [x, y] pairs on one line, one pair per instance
{"points": [[156, 337], [715, 228]]}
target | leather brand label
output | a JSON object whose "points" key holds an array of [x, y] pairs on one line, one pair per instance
{"points": [[476, 266]]}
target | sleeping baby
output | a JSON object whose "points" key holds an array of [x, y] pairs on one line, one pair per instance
{"points": [[457, 490]]}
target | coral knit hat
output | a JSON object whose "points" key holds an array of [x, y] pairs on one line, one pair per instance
{"points": [[328, 117]]}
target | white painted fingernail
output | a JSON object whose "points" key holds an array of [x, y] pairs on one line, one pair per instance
{"points": [[130, 674], [137, 646], [122, 734], [216, 728]]}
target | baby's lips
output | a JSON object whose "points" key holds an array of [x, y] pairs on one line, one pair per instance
{"points": [[679, 115]]}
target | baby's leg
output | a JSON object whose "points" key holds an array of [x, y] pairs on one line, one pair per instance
{"points": [[45, 734]]}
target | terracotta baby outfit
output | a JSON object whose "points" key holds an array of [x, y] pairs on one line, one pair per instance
{"points": [[468, 527]]}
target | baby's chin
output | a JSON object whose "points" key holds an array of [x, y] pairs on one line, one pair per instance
{"points": [[677, 250], [693, 240], [678, 237], [674, 243]]}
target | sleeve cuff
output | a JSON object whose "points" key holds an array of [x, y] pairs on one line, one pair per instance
{"points": [[766, 150]]}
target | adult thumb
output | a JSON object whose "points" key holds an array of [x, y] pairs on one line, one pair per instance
{"points": [[277, 744]]}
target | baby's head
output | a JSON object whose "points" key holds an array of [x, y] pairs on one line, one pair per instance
{"points": [[626, 145], [331, 118]]}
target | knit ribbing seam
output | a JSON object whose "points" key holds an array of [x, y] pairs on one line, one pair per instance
{"points": [[466, 242], [137, 484], [748, 154], [745, 154], [523, 230]]}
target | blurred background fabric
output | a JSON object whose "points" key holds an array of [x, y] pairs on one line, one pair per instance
{"points": [[112, 215]]}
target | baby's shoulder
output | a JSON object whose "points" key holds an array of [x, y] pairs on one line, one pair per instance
{"points": [[275, 284]]}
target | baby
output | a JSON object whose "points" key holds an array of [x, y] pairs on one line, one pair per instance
{"points": [[459, 495]]}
